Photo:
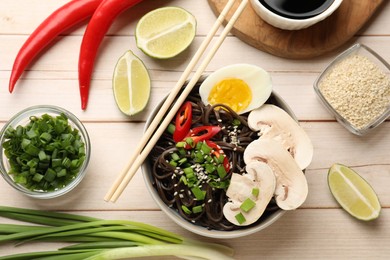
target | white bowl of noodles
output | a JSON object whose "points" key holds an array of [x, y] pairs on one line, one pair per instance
{"points": [[212, 224]]}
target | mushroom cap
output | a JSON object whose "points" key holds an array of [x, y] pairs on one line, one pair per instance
{"points": [[259, 175], [291, 184], [275, 123]]}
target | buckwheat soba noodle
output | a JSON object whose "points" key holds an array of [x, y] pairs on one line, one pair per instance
{"points": [[233, 138]]}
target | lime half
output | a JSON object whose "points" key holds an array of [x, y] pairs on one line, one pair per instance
{"points": [[165, 32], [131, 84], [353, 193]]}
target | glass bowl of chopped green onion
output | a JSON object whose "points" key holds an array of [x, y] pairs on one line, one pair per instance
{"points": [[45, 151], [355, 88]]}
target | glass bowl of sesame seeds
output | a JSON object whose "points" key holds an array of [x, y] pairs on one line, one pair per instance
{"points": [[355, 88]]}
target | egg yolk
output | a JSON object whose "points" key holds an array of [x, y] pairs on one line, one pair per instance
{"points": [[232, 92]]}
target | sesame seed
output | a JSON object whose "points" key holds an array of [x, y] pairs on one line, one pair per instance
{"points": [[357, 89]]}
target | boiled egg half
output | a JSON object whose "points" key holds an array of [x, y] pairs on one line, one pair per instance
{"points": [[242, 87]]}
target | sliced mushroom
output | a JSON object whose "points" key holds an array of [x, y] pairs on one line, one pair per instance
{"points": [[275, 123], [291, 184], [259, 175]]}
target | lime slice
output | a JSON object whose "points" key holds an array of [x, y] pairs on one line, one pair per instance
{"points": [[165, 32], [353, 193], [131, 84]]}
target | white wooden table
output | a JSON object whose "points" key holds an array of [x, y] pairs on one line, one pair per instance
{"points": [[319, 229]]}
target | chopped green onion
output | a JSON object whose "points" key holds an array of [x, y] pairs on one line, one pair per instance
{"points": [[45, 137], [175, 156], [56, 162], [32, 150], [183, 179], [255, 192], [43, 147], [182, 151], [61, 173], [197, 209], [198, 193], [221, 158], [210, 168], [190, 141], [247, 205], [31, 133], [205, 148], [182, 160], [50, 175], [180, 144], [188, 171], [173, 163], [236, 122], [221, 171], [42, 155], [186, 209], [240, 218], [171, 128], [198, 157], [37, 177], [66, 162]]}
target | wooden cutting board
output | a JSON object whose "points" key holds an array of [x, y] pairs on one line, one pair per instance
{"points": [[316, 40]]}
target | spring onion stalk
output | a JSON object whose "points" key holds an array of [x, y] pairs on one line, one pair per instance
{"points": [[26, 214], [14, 228], [88, 226], [98, 238], [100, 245], [56, 255], [160, 250], [38, 219]]}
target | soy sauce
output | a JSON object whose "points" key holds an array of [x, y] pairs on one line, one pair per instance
{"points": [[297, 9]]}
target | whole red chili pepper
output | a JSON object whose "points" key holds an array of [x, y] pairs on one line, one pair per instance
{"points": [[59, 21], [183, 122], [97, 27]]}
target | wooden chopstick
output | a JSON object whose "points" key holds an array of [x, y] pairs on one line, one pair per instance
{"points": [[171, 97], [149, 139]]}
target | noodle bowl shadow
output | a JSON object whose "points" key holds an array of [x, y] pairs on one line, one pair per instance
{"points": [[197, 229]]}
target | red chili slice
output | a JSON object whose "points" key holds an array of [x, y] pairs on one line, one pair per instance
{"points": [[183, 122], [202, 133]]}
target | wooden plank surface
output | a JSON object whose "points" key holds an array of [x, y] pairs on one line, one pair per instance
{"points": [[319, 229]]}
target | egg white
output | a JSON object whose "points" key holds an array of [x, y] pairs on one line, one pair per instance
{"points": [[258, 80]]}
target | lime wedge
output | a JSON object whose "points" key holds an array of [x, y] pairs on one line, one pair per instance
{"points": [[131, 84], [353, 193], [165, 32]]}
